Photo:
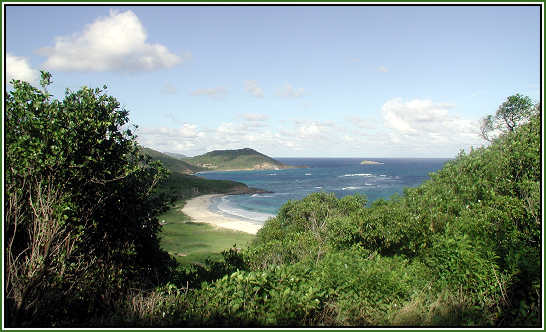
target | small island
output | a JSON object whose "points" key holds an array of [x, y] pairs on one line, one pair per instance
{"points": [[370, 162]]}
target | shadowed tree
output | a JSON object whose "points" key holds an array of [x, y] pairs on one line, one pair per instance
{"points": [[80, 205], [517, 109]]}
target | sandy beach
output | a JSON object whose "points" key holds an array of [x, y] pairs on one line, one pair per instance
{"points": [[198, 210]]}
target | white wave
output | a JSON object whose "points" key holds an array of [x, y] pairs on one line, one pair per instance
{"points": [[351, 188], [307, 174], [383, 175], [319, 187], [225, 207], [261, 196], [356, 174], [272, 174]]}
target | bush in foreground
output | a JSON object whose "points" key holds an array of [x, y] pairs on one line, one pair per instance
{"points": [[80, 208]]}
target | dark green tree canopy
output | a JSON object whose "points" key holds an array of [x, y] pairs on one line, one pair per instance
{"points": [[516, 110], [80, 200]]}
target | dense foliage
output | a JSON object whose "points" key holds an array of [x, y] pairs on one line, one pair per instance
{"points": [[80, 206], [81, 245], [183, 186], [462, 249]]}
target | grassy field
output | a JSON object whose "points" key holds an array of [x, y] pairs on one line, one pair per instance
{"points": [[191, 242]]}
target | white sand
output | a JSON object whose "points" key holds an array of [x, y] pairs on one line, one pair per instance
{"points": [[198, 210]]}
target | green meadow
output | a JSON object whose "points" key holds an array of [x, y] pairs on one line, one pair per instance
{"points": [[191, 242]]}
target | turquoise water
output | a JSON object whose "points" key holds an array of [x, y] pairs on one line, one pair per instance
{"points": [[341, 176]]}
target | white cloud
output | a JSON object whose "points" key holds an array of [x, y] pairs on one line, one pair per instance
{"points": [[185, 131], [217, 92], [229, 128], [181, 139], [421, 124], [415, 115], [362, 123], [252, 87], [112, 43], [18, 68], [191, 140], [255, 117], [233, 135], [289, 92], [348, 138], [415, 128], [311, 129], [383, 69], [314, 130]]}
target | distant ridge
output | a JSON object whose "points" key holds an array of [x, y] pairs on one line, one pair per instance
{"points": [[173, 164], [181, 184], [175, 155], [235, 160]]}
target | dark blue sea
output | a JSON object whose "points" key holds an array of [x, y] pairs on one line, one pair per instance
{"points": [[341, 176]]}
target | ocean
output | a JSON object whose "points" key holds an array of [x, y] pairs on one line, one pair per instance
{"points": [[341, 176]]}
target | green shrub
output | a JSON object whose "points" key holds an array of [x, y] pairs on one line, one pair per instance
{"points": [[277, 296], [364, 286], [81, 208], [293, 248], [309, 215]]}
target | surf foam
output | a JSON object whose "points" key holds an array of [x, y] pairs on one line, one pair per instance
{"points": [[356, 174]]}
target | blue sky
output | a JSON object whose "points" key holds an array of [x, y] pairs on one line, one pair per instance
{"points": [[289, 81]]}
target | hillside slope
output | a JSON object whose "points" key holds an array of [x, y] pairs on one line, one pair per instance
{"points": [[182, 185], [171, 163], [242, 159], [175, 155]]}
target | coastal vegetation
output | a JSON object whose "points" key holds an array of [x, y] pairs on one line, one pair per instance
{"points": [[84, 247], [242, 159], [179, 156], [174, 164], [186, 241], [80, 207], [181, 184], [462, 249]]}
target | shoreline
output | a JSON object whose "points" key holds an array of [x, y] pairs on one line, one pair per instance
{"points": [[198, 209], [246, 169]]}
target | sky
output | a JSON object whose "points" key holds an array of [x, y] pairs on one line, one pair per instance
{"points": [[288, 81]]}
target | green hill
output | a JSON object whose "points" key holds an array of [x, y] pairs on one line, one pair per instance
{"points": [[182, 185], [242, 159], [175, 155], [171, 163]]}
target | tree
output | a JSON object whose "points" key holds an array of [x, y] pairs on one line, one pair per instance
{"points": [[80, 203], [516, 110]]}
